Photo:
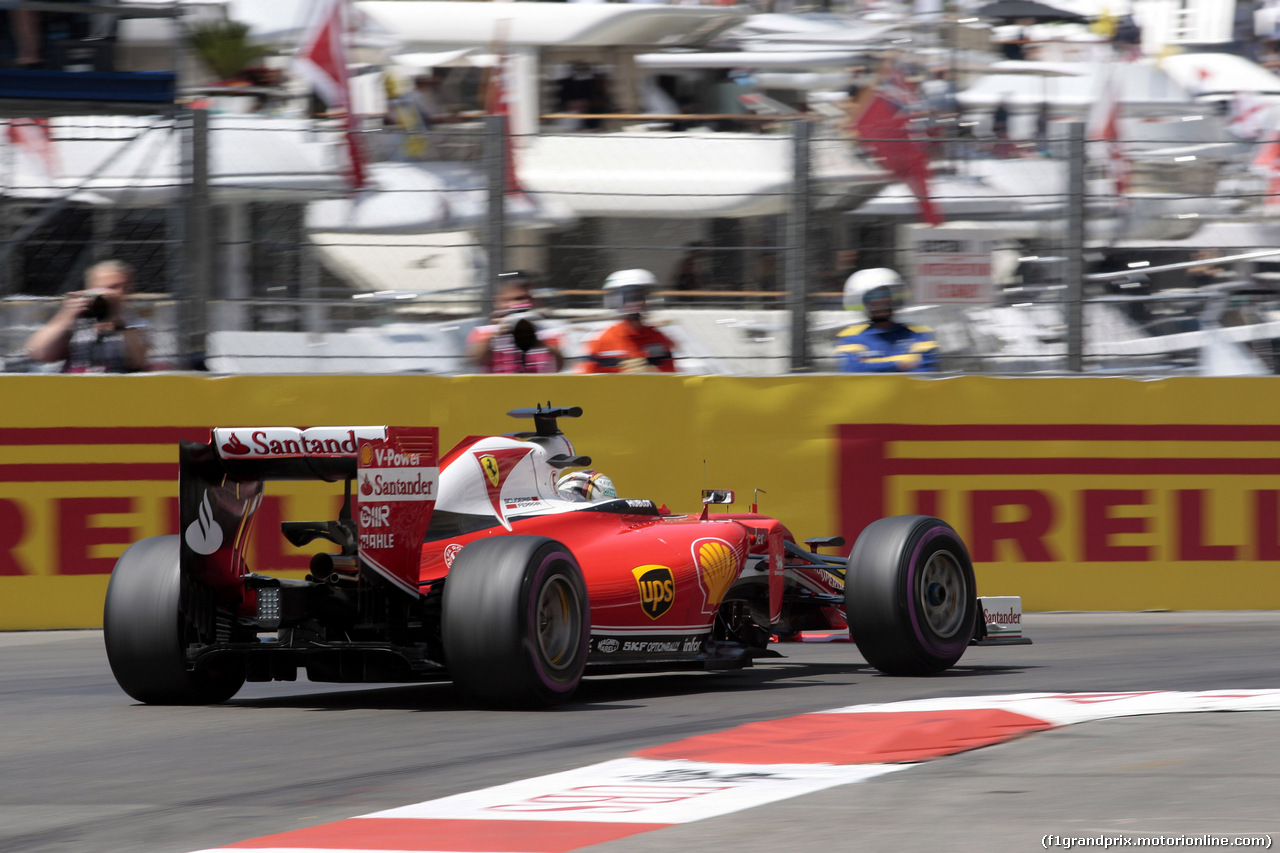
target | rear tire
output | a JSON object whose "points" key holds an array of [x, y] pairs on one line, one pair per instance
{"points": [[516, 621], [910, 595], [145, 633]]}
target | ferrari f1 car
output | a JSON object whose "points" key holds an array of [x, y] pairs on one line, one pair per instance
{"points": [[474, 567]]}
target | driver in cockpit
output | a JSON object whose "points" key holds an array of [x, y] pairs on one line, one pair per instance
{"points": [[586, 486]]}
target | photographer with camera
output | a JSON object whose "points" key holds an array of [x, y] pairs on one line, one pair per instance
{"points": [[514, 342], [94, 331]]}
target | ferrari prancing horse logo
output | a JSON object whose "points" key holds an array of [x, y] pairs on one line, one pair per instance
{"points": [[490, 466], [657, 589]]}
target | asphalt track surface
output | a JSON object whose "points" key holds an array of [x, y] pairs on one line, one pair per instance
{"points": [[84, 768]]}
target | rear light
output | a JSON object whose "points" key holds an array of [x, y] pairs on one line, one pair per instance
{"points": [[269, 608]]}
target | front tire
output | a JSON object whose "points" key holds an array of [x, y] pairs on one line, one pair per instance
{"points": [[516, 621], [145, 632], [910, 595]]}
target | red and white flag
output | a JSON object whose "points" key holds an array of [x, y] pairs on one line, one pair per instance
{"points": [[1104, 127], [883, 128], [497, 104], [1267, 164], [32, 136], [1249, 117], [322, 60]]}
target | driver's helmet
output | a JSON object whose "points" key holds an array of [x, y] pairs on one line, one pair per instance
{"points": [[859, 286], [627, 288], [588, 485]]}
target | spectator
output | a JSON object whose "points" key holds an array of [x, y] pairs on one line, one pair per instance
{"points": [[1002, 148], [857, 81], [25, 29], [1268, 52], [1266, 22], [882, 345], [429, 100], [629, 345], [766, 277], [726, 93], [1242, 40], [513, 342], [1208, 272], [1134, 291], [845, 265], [686, 107], [95, 331], [1104, 25], [692, 273], [577, 107], [266, 78], [1000, 120], [1012, 39], [1042, 127], [583, 92], [940, 94], [965, 145], [1127, 38]]}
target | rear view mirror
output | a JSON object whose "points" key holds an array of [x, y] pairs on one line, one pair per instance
{"points": [[717, 496]]}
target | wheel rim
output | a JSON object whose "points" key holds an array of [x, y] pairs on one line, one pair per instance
{"points": [[942, 594], [559, 624]]}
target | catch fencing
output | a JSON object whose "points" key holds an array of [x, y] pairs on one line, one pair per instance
{"points": [[253, 255]]}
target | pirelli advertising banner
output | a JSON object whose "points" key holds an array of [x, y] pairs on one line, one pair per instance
{"points": [[1076, 493]]}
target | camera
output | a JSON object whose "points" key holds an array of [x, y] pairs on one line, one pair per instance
{"points": [[522, 325], [98, 308]]}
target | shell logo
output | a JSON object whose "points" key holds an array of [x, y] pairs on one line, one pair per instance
{"points": [[366, 456], [718, 566]]}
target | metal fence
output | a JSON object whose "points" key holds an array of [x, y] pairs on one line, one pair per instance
{"points": [[253, 256]]}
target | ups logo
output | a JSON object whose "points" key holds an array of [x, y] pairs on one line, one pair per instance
{"points": [[657, 589]]}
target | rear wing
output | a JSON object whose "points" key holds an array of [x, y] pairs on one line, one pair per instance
{"points": [[221, 487]]}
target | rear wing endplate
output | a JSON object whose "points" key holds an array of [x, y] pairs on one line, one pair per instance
{"points": [[221, 486]]}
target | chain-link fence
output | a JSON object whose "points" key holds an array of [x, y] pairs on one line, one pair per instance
{"points": [[751, 229]]}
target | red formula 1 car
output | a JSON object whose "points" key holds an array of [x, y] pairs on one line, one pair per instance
{"points": [[478, 567]]}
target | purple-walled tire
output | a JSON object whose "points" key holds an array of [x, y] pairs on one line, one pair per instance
{"points": [[146, 634], [910, 595], [516, 621]]}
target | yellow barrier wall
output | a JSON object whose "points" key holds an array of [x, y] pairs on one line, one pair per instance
{"points": [[1077, 493]]}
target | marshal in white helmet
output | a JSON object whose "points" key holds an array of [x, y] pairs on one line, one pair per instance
{"points": [[625, 289], [881, 344], [862, 282], [629, 345]]}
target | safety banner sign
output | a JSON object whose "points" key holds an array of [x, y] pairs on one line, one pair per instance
{"points": [[952, 266]]}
